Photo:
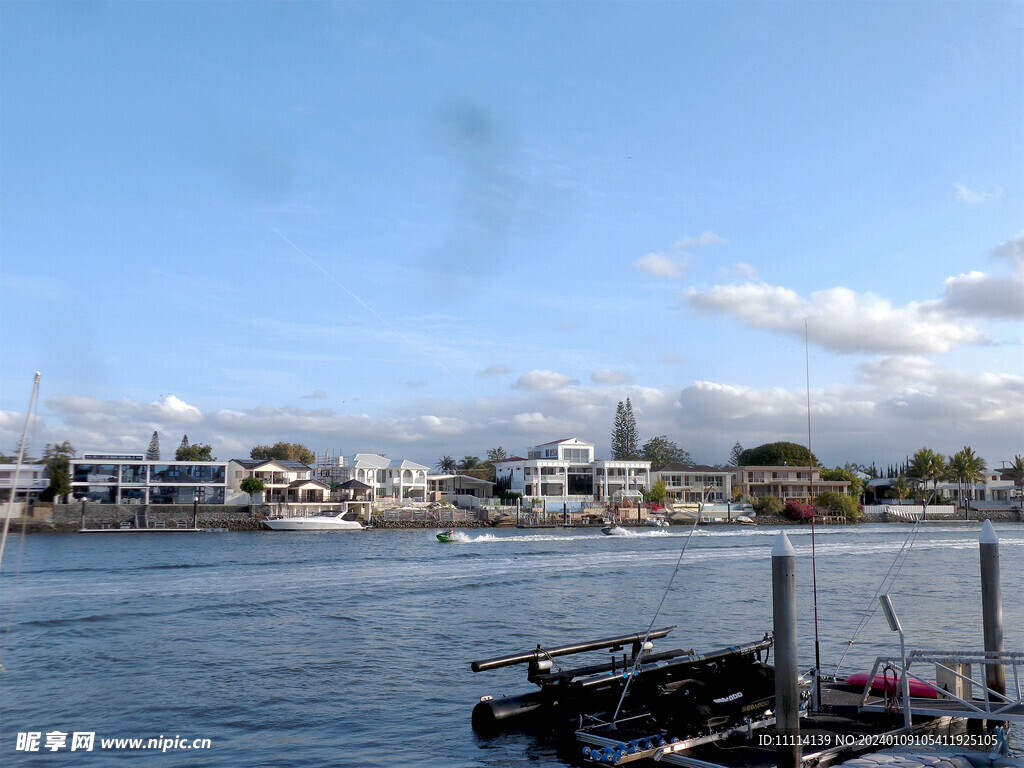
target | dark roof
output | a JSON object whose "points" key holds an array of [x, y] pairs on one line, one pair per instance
{"points": [[563, 440], [297, 483], [354, 485], [677, 467], [253, 463]]}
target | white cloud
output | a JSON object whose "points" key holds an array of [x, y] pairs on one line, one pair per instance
{"points": [[741, 271], [979, 295], [892, 406], [837, 318], [543, 380], [659, 265], [609, 376], [705, 238], [494, 370], [675, 261], [971, 197], [316, 394], [1013, 251]]}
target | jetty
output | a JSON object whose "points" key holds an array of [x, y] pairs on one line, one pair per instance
{"points": [[731, 708]]}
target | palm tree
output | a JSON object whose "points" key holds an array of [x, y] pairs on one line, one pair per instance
{"points": [[901, 488], [966, 468], [447, 465], [1016, 471], [926, 467]]}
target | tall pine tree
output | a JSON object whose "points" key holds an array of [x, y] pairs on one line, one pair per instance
{"points": [[734, 456], [153, 452], [625, 439]]}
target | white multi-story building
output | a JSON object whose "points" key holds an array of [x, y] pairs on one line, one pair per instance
{"points": [[127, 478], [695, 484], [33, 479], [401, 480], [785, 482], [566, 470]]}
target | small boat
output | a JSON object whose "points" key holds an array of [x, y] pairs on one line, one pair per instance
{"points": [[445, 536], [324, 522], [743, 520], [918, 688], [612, 530]]}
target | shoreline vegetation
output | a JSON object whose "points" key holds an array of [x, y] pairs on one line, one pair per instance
{"points": [[64, 522]]}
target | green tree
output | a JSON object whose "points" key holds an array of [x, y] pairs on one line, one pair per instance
{"points": [[927, 466], [153, 452], [447, 465], [657, 493], [769, 505], [194, 452], [967, 468], [777, 455], [472, 466], [494, 455], [900, 489], [1015, 471], [661, 451], [284, 452], [734, 454], [252, 486], [840, 504], [842, 473], [625, 439], [57, 459]]}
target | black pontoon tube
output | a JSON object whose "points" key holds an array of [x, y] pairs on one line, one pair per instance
{"points": [[635, 639]]}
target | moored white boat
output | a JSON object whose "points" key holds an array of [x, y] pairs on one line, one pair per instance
{"points": [[322, 522]]}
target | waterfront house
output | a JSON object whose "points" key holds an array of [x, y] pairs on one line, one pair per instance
{"points": [[397, 480], [461, 490], [284, 482], [566, 471], [695, 483], [784, 482], [128, 478], [33, 479]]}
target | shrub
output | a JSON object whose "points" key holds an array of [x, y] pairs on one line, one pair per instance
{"points": [[839, 504], [795, 510], [769, 505]]}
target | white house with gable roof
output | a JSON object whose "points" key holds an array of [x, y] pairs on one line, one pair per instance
{"points": [[398, 479]]}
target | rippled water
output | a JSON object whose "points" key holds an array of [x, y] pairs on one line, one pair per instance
{"points": [[353, 649]]}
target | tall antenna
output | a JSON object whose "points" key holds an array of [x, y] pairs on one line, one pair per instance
{"points": [[810, 502]]}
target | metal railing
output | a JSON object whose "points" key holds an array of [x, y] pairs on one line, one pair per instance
{"points": [[966, 670]]}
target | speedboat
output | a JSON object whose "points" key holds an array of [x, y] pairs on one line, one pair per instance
{"points": [[743, 520], [323, 522]]}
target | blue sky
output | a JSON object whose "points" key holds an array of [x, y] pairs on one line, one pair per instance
{"points": [[437, 228]]}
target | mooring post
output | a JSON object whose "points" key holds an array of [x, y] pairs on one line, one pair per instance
{"points": [[991, 605], [788, 753]]}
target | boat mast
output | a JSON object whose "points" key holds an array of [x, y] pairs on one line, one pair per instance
{"points": [[810, 501], [17, 467]]}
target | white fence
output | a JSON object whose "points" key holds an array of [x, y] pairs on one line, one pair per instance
{"points": [[911, 511]]}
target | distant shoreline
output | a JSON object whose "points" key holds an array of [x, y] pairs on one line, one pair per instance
{"points": [[251, 525]]}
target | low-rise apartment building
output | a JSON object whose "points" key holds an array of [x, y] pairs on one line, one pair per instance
{"points": [[695, 484], [785, 482]]}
